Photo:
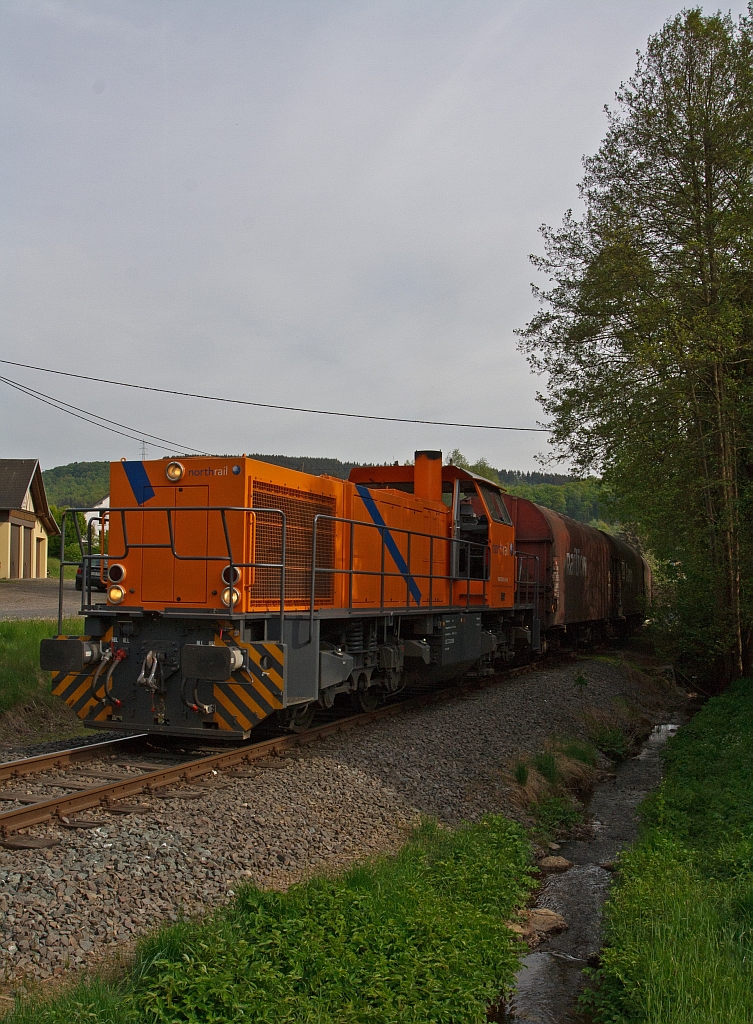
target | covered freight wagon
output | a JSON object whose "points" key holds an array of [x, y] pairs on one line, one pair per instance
{"points": [[578, 579]]}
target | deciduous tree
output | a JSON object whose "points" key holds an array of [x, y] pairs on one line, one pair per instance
{"points": [[646, 326]]}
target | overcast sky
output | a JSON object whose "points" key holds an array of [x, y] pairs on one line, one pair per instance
{"points": [[325, 204]]}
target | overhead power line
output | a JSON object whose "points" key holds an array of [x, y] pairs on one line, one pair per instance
{"points": [[92, 417], [269, 405]]}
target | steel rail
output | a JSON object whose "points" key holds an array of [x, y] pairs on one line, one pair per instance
{"points": [[62, 758], [111, 793]]}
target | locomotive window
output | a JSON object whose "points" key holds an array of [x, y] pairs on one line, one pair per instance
{"points": [[471, 505], [473, 522], [496, 504]]}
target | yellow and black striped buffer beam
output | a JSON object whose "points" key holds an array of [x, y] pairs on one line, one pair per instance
{"points": [[254, 692], [75, 688]]}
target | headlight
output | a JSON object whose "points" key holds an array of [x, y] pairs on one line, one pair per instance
{"points": [[230, 596], [116, 573], [226, 574], [115, 594], [174, 471]]}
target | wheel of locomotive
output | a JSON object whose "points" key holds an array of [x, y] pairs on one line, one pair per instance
{"points": [[368, 700], [297, 718], [523, 655]]}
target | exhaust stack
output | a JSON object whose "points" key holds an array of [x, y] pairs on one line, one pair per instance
{"points": [[427, 476]]}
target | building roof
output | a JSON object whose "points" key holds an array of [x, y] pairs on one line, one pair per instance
{"points": [[17, 476]]}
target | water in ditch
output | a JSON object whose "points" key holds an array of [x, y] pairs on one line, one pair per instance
{"points": [[552, 975]]}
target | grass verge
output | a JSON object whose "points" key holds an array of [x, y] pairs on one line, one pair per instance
{"points": [[21, 679], [407, 939], [680, 923], [53, 569]]}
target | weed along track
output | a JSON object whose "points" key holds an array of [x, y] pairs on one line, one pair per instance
{"points": [[327, 800]]}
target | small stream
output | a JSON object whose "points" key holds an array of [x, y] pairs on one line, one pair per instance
{"points": [[551, 976]]}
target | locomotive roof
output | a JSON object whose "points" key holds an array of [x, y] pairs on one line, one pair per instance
{"points": [[403, 474]]}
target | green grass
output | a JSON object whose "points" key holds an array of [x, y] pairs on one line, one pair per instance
{"points": [[545, 764], [554, 813], [680, 924], [411, 939], [21, 678], [609, 740], [578, 751], [53, 569]]}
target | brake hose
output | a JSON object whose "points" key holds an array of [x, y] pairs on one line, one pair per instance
{"points": [[106, 656], [194, 704], [120, 655]]}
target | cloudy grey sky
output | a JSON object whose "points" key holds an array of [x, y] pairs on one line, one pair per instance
{"points": [[304, 202]]}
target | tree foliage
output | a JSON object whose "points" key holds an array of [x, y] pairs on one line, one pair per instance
{"points": [[645, 330], [72, 546], [77, 485], [583, 500]]}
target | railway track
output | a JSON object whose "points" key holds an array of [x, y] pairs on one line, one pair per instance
{"points": [[100, 787]]}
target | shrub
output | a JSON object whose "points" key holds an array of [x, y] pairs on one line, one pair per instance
{"points": [[557, 812]]}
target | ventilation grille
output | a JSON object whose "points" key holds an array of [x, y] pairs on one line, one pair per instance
{"points": [[299, 507]]}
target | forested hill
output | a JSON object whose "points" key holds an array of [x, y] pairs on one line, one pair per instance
{"points": [[515, 477], [579, 499], [83, 484], [77, 485]]}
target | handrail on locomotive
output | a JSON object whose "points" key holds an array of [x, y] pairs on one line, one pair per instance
{"points": [[104, 514], [525, 583], [454, 543]]}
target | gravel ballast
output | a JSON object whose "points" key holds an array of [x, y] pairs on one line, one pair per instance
{"points": [[321, 808]]}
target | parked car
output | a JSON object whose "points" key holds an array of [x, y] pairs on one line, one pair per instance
{"points": [[97, 574]]}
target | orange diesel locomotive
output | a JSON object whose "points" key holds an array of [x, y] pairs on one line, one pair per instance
{"points": [[237, 590]]}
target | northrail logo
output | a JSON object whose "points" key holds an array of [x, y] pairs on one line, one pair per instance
{"points": [[209, 472]]}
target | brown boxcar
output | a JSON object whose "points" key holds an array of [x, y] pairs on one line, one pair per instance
{"points": [[630, 582], [578, 578]]}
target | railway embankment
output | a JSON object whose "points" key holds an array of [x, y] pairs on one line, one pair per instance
{"points": [[315, 813], [29, 713], [679, 923]]}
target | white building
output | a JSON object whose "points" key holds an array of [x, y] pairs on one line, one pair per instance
{"points": [[88, 516]]}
